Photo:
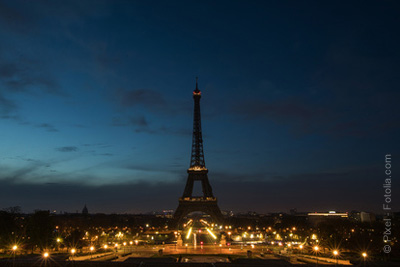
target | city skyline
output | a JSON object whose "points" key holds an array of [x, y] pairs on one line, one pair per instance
{"points": [[298, 108]]}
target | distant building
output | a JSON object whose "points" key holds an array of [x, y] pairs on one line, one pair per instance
{"points": [[85, 210], [317, 217], [367, 217]]}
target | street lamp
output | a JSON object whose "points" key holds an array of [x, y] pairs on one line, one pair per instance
{"points": [[301, 249], [46, 255], [364, 254], [58, 241], [316, 248], [14, 248], [336, 253], [91, 251], [72, 253]]}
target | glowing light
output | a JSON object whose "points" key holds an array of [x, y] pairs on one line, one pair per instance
{"points": [[46, 255], [91, 248], [301, 246], [58, 240], [316, 248], [124, 243], [105, 246], [211, 233], [335, 252], [314, 236], [73, 251], [130, 242], [189, 232], [364, 254]]}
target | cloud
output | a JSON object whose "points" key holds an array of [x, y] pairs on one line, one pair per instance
{"points": [[352, 188], [107, 154], [150, 99], [74, 196], [334, 119], [139, 120], [67, 149], [14, 19], [163, 130], [142, 126], [49, 127], [343, 190], [304, 118], [26, 74], [8, 108]]}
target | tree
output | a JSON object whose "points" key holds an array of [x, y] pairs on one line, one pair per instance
{"points": [[40, 230]]}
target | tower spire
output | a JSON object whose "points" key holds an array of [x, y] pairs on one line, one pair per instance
{"points": [[197, 157]]}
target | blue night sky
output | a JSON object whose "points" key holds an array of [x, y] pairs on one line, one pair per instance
{"points": [[299, 107]]}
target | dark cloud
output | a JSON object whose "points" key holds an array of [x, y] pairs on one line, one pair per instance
{"points": [[26, 74], [160, 168], [369, 118], [99, 145], [319, 191], [142, 126], [142, 197], [139, 121], [107, 154], [356, 188], [150, 99], [14, 19], [49, 127], [8, 108], [303, 117], [163, 130], [67, 149]]}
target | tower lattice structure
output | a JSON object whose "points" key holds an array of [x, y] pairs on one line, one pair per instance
{"points": [[197, 171]]}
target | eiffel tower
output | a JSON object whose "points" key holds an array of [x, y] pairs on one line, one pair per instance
{"points": [[197, 172]]}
